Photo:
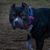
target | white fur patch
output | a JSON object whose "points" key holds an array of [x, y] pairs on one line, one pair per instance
{"points": [[30, 27]]}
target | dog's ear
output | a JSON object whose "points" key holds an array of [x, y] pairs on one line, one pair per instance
{"points": [[24, 4]]}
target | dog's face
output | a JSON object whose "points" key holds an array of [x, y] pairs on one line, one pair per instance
{"points": [[21, 23]]}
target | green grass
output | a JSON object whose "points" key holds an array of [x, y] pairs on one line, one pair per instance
{"points": [[33, 1]]}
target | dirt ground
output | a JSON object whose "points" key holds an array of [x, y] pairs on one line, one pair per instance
{"points": [[14, 39]]}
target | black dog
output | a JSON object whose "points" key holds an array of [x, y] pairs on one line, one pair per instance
{"points": [[41, 26]]}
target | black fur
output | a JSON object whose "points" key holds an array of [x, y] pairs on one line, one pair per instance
{"points": [[41, 26], [40, 30]]}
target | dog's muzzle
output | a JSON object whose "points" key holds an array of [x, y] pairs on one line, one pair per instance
{"points": [[18, 22]]}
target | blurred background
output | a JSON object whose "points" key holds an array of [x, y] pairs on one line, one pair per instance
{"points": [[7, 34]]}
